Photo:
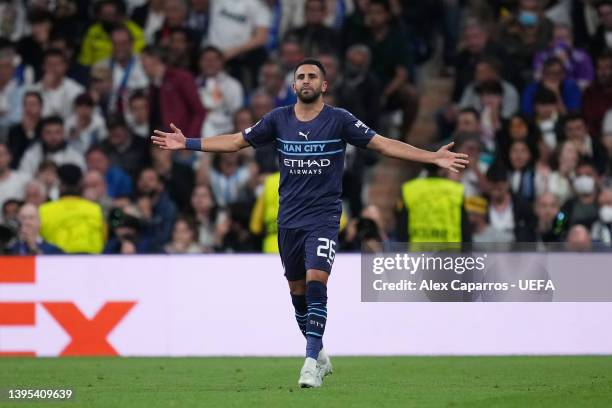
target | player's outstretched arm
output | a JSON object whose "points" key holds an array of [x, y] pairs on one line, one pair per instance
{"points": [[399, 150], [175, 140]]}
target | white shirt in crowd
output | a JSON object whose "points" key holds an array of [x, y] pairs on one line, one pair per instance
{"points": [[83, 140], [60, 101], [502, 220], [136, 79], [13, 187], [34, 156], [222, 96], [228, 189], [232, 22]]}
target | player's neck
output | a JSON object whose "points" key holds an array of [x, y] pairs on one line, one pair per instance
{"points": [[308, 111]]}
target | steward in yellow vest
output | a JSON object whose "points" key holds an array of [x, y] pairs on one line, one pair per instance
{"points": [[72, 223], [431, 210]]}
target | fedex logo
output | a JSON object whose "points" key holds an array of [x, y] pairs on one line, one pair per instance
{"points": [[87, 336]]}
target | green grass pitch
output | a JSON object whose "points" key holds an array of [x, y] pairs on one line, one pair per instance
{"points": [[356, 382]]}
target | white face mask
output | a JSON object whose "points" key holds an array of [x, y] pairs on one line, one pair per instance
{"points": [[605, 214], [584, 185]]}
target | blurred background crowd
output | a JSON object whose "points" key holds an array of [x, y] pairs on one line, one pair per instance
{"points": [[84, 83]]}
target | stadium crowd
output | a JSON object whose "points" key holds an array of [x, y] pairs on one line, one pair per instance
{"points": [[84, 83]]}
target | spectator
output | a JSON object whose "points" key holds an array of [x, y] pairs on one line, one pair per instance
{"points": [[36, 193], [477, 45], [138, 114], [272, 82], [13, 24], [85, 127], [129, 152], [95, 190], [332, 76], [10, 209], [230, 179], [267, 156], [519, 127], [149, 16], [239, 28], [76, 71], [554, 78], [97, 44], [72, 223], [52, 146], [101, 88], [173, 95], [235, 233], [221, 94], [22, 135], [601, 231], [547, 115], [477, 209], [522, 176], [58, 91], [597, 98], [314, 37], [184, 238], [359, 91], [181, 49], [578, 63], [579, 239], [508, 213], [547, 211], [29, 240], [490, 94], [290, 55], [489, 70], [47, 174], [127, 234], [12, 183], [199, 18], [118, 182], [576, 131], [391, 62], [602, 40], [473, 177], [525, 33], [207, 217], [157, 209], [178, 178], [32, 48], [175, 17], [468, 121], [11, 92], [126, 69], [556, 178], [583, 208]]}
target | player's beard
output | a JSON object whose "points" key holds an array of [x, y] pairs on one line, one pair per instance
{"points": [[315, 93]]}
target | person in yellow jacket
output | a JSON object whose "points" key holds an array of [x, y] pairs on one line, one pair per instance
{"points": [[72, 223], [431, 210], [265, 214], [97, 44]]}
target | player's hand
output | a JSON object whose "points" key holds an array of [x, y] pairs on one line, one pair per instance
{"points": [[450, 160], [174, 140]]}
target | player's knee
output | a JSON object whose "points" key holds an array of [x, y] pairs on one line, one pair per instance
{"points": [[297, 287]]}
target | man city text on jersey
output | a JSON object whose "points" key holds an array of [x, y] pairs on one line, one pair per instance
{"points": [[311, 160]]}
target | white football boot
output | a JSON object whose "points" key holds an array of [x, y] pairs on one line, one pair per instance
{"points": [[324, 363], [310, 375]]}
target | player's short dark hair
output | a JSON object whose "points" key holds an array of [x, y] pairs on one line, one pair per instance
{"points": [[50, 120], [311, 61]]}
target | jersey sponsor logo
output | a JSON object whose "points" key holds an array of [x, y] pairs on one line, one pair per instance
{"points": [[304, 135], [306, 166], [248, 130], [359, 124]]}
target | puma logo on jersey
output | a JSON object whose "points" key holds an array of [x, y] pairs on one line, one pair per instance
{"points": [[304, 134]]}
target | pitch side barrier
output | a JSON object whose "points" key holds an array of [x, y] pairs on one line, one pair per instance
{"points": [[211, 305]]}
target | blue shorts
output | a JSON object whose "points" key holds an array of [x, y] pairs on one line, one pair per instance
{"points": [[310, 247]]}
